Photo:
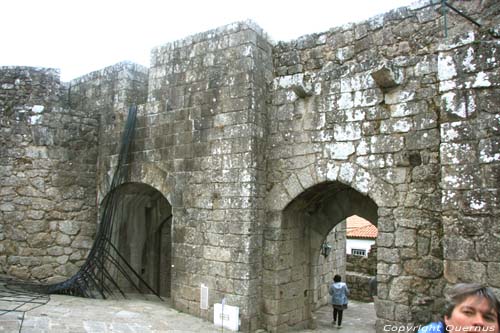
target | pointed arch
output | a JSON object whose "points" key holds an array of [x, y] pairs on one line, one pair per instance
{"points": [[302, 210], [360, 179], [142, 234]]}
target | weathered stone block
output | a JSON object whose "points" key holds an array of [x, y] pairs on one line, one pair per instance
{"points": [[398, 95], [429, 267], [455, 271], [405, 237], [460, 176], [385, 239], [69, 227], [493, 271], [489, 150], [305, 177], [403, 313], [347, 173], [293, 186], [386, 144], [387, 77], [487, 247], [363, 181], [457, 153], [347, 132], [396, 126], [388, 255], [339, 151], [385, 309], [42, 272]]}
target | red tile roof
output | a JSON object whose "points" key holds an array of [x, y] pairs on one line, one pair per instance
{"points": [[369, 231], [358, 227]]}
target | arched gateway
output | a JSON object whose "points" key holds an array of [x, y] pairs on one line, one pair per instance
{"points": [[258, 150], [297, 274], [142, 234]]}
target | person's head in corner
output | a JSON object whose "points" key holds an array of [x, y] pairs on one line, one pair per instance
{"points": [[472, 307], [337, 278]]}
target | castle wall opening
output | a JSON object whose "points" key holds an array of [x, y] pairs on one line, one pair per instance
{"points": [[302, 271], [143, 224]]}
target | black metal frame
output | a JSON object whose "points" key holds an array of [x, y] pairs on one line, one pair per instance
{"points": [[444, 5], [94, 277]]}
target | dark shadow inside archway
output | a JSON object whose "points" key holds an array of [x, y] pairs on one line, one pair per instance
{"points": [[142, 223], [311, 219]]}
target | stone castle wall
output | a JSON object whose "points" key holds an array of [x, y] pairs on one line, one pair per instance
{"points": [[338, 115], [204, 126], [360, 272], [262, 149], [49, 218], [48, 165]]}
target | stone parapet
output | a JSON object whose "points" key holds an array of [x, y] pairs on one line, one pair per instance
{"points": [[359, 286]]}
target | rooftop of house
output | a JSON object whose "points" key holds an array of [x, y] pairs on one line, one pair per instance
{"points": [[358, 227]]}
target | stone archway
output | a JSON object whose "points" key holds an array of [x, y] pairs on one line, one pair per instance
{"points": [[142, 233], [366, 195], [306, 222]]}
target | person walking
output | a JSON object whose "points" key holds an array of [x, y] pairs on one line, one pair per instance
{"points": [[339, 292]]}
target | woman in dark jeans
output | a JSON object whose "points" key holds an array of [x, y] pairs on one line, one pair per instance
{"points": [[339, 292]]}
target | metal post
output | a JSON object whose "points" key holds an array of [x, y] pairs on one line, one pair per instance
{"points": [[463, 15], [443, 10], [222, 313]]}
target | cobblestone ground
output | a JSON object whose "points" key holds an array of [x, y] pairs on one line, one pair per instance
{"points": [[74, 315]]}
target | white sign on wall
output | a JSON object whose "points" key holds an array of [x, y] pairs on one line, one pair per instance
{"points": [[203, 297], [227, 316]]}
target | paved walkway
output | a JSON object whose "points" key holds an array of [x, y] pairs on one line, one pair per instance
{"points": [[74, 315], [358, 318]]}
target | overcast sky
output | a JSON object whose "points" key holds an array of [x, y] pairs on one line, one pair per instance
{"points": [[79, 36]]}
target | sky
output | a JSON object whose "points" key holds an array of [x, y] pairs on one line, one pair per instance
{"points": [[79, 37]]}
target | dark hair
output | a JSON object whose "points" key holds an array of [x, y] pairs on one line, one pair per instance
{"points": [[337, 278], [461, 291]]}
